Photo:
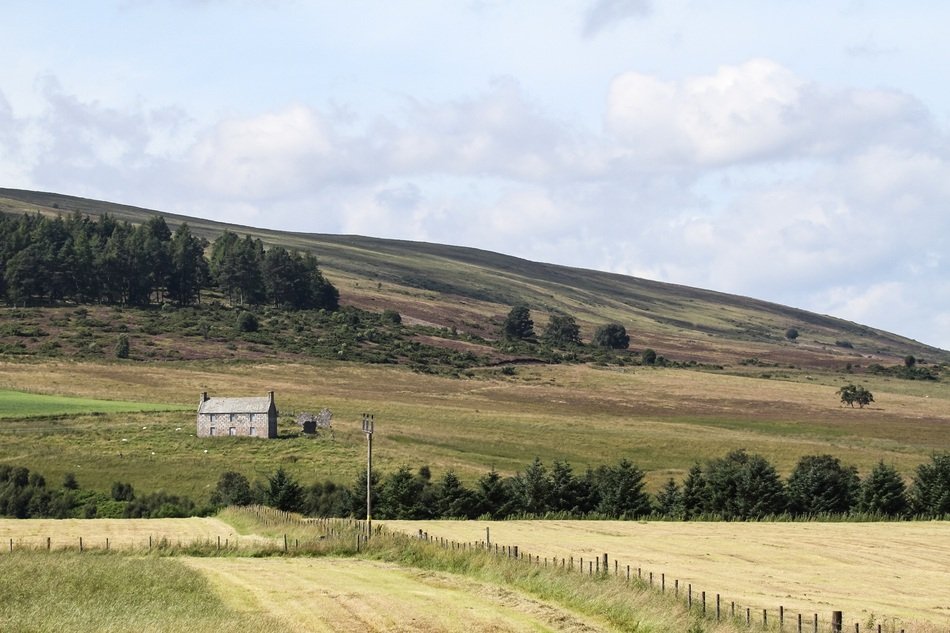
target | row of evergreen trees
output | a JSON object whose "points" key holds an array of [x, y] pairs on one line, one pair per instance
{"points": [[84, 260], [739, 486]]}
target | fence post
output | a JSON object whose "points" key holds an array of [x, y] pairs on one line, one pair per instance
{"points": [[676, 587], [651, 580], [816, 623], [704, 603], [799, 623], [717, 607], [80, 545], [765, 618], [662, 583], [47, 544], [781, 617], [606, 567], [689, 596], [836, 619], [516, 551], [628, 573]]}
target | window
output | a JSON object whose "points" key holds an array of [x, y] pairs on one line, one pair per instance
{"points": [[211, 431], [232, 431]]}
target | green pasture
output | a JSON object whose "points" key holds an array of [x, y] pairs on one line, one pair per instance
{"points": [[21, 404], [664, 420]]}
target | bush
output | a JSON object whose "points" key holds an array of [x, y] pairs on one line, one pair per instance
{"points": [[247, 322], [612, 336], [791, 334], [122, 346]]}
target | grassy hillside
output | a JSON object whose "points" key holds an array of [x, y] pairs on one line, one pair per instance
{"points": [[663, 419], [470, 291]]}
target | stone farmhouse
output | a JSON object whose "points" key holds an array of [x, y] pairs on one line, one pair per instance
{"points": [[245, 417]]}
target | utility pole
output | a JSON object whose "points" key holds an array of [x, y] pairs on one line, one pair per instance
{"points": [[368, 429]]}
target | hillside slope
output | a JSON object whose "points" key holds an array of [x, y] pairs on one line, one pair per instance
{"points": [[471, 290]]}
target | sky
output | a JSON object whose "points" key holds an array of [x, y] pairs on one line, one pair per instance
{"points": [[792, 151]]}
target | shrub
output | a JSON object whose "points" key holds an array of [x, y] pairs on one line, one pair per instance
{"points": [[122, 346], [247, 322], [791, 334]]}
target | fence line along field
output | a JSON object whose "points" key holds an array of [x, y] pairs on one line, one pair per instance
{"points": [[121, 533], [874, 572]]}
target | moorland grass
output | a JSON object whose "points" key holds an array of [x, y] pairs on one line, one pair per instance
{"points": [[662, 419], [108, 592]]}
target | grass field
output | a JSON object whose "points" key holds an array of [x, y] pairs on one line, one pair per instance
{"points": [[20, 404], [663, 419], [86, 593], [871, 571]]}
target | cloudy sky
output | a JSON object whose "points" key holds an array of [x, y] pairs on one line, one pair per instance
{"points": [[794, 151]]}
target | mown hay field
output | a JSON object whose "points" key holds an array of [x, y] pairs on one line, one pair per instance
{"points": [[662, 419], [353, 595], [122, 534], [870, 571]]}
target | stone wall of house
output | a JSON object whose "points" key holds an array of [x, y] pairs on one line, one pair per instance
{"points": [[237, 424]]}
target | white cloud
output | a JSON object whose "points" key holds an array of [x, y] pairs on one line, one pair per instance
{"points": [[603, 14], [758, 110]]}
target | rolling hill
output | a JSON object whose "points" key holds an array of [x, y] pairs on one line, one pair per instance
{"points": [[469, 291]]}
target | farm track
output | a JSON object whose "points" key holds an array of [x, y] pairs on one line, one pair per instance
{"points": [[352, 595]]}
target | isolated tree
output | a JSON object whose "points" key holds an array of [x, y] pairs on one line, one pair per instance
{"points": [[909, 361], [883, 492], [612, 336], [791, 334], [518, 325], [562, 331], [821, 485], [930, 491], [851, 394]]}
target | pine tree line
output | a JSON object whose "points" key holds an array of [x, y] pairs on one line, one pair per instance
{"points": [[82, 260], [739, 486]]}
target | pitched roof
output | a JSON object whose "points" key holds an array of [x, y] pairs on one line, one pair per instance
{"points": [[235, 405]]}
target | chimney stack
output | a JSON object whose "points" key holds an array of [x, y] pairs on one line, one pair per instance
{"points": [[204, 396]]}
